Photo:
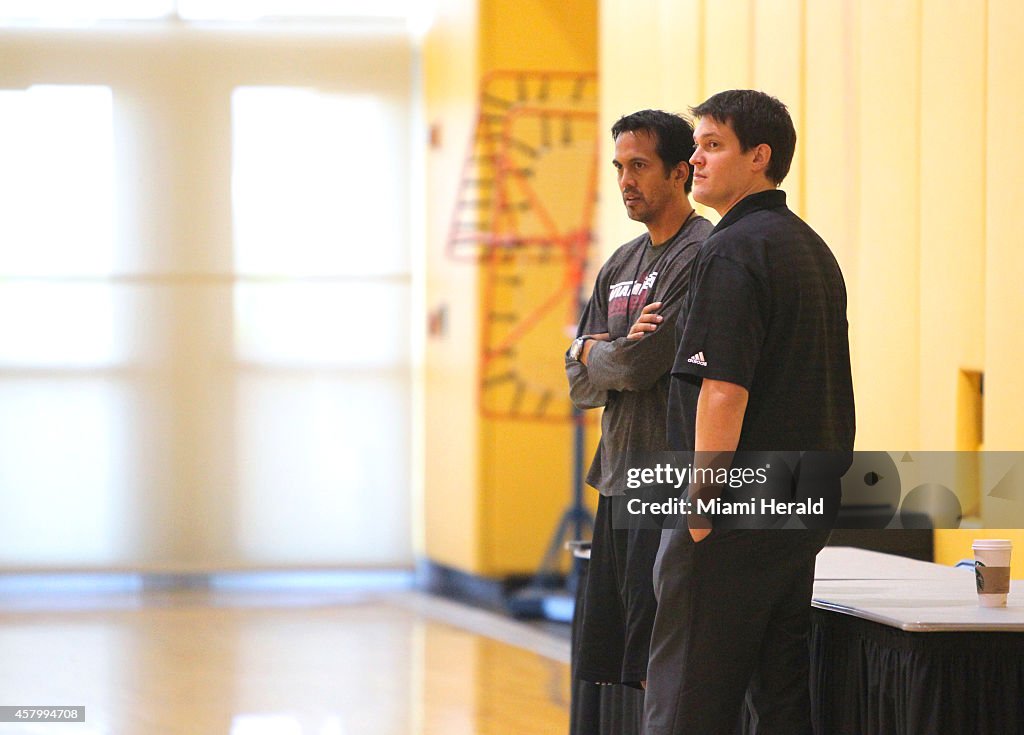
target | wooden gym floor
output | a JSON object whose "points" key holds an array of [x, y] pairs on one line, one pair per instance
{"points": [[390, 662]]}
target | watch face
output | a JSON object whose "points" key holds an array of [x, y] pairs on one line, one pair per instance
{"points": [[574, 351]]}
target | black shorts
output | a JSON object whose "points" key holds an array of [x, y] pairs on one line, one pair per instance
{"points": [[618, 604]]}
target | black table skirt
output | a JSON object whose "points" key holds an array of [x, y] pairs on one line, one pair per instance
{"points": [[871, 679]]}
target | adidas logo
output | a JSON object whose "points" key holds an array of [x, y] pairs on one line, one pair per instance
{"points": [[698, 359]]}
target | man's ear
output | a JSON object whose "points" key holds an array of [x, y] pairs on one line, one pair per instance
{"points": [[762, 157], [681, 172]]}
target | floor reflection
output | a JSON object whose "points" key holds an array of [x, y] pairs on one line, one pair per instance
{"points": [[287, 663]]}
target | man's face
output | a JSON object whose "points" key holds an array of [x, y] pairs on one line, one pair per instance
{"points": [[722, 173], [647, 189]]}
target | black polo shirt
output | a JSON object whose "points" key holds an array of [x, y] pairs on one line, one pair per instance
{"points": [[766, 310]]}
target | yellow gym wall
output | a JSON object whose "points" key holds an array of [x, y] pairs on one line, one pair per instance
{"points": [[447, 452], [528, 465], [907, 164], [493, 488]]}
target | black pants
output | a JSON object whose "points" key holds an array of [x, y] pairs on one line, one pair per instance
{"points": [[732, 623], [619, 604]]}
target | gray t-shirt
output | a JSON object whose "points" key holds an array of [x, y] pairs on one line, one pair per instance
{"points": [[630, 378]]}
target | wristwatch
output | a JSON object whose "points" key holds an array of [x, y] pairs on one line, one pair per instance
{"points": [[576, 349]]}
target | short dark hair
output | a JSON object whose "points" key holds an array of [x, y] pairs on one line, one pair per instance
{"points": [[756, 118], [673, 135]]}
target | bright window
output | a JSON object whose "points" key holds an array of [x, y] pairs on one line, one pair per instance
{"points": [[316, 180], [62, 10], [255, 9], [232, 10], [56, 181], [321, 317], [56, 221], [62, 438], [62, 471], [185, 265]]}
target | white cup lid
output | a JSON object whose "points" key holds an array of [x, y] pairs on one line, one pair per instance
{"points": [[992, 543]]}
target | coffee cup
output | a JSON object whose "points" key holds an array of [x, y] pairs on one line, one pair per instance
{"points": [[992, 571]]}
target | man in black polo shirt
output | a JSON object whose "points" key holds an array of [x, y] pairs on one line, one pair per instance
{"points": [[763, 364]]}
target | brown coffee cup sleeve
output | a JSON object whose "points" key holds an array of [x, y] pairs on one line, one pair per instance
{"points": [[992, 580]]}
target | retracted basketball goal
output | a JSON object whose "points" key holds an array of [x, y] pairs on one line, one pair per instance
{"points": [[524, 215]]}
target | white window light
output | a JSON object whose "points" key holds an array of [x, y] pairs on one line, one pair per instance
{"points": [[247, 10], [56, 180], [59, 11]]}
